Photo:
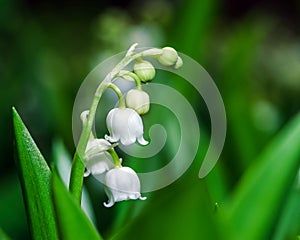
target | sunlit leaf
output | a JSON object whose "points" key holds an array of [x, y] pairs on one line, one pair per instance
{"points": [[35, 177], [288, 227], [263, 190]]}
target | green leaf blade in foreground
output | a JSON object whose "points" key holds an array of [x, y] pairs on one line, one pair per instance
{"points": [[288, 226], [253, 209], [35, 178], [63, 163], [3, 236], [73, 224]]}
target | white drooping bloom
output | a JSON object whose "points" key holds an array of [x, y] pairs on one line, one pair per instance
{"points": [[122, 183], [126, 125], [97, 159], [138, 100]]}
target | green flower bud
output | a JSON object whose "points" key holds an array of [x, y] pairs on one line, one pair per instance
{"points": [[138, 100], [144, 70], [168, 57]]}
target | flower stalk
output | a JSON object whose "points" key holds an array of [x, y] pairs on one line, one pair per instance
{"points": [[147, 73], [78, 167], [117, 161], [119, 94]]}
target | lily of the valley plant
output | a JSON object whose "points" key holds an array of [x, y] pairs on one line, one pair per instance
{"points": [[97, 156]]}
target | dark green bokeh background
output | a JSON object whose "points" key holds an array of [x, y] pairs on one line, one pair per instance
{"points": [[251, 49]]}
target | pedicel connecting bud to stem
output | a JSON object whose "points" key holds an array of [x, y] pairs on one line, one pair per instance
{"points": [[124, 124]]}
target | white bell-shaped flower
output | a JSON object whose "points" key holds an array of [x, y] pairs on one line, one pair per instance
{"points": [[126, 125], [97, 159], [122, 183]]}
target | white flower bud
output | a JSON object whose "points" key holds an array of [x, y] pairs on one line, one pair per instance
{"points": [[122, 183], [138, 100], [144, 70], [126, 125], [168, 57]]}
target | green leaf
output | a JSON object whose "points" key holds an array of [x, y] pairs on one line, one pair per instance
{"points": [[72, 222], [35, 177], [264, 188], [63, 161], [287, 227], [3, 236]]}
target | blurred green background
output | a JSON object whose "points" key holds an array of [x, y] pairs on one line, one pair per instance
{"points": [[250, 48]]}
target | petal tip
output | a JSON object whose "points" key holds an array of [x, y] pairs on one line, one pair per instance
{"points": [[109, 204], [86, 173], [142, 141], [110, 138]]}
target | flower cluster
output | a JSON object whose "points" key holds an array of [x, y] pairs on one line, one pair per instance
{"points": [[124, 124]]}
